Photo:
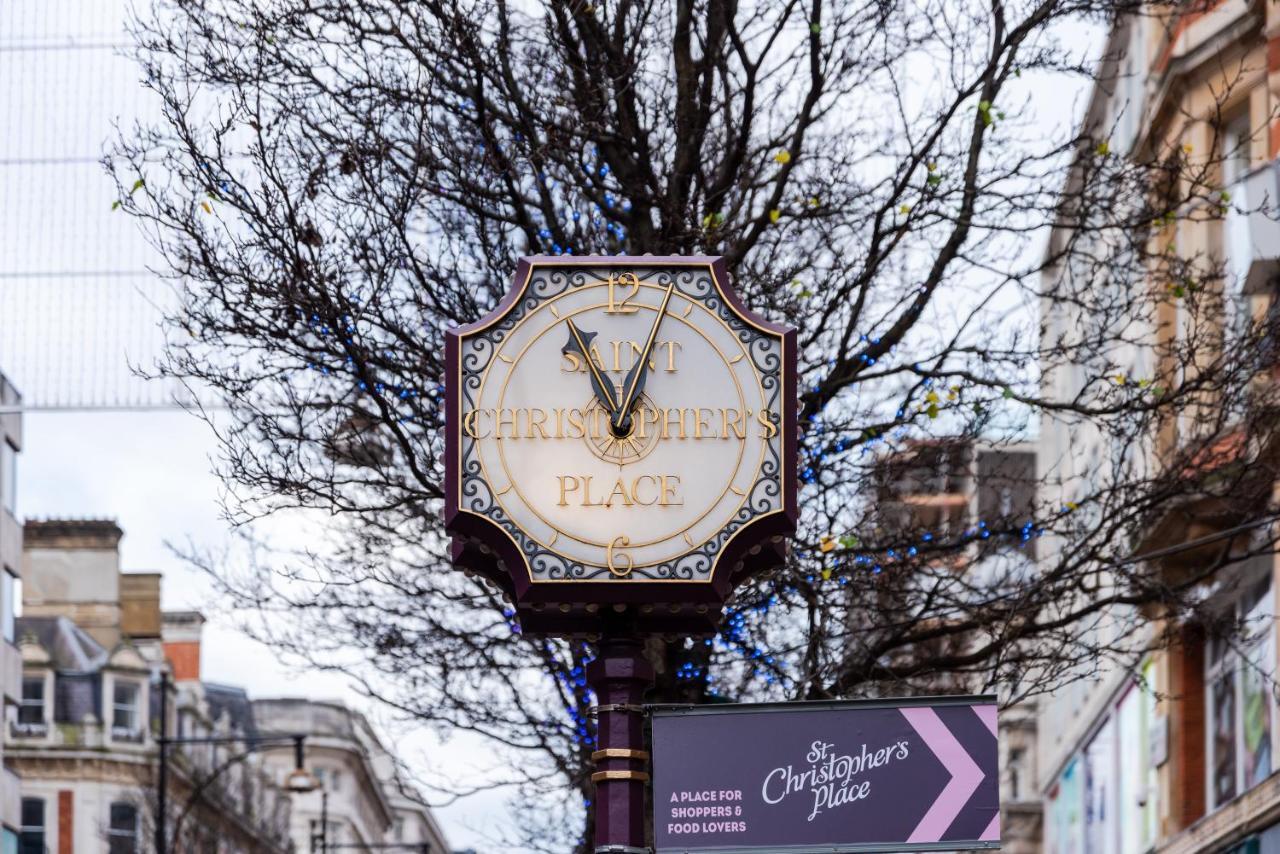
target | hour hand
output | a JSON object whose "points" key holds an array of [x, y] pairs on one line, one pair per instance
{"points": [[580, 342]]}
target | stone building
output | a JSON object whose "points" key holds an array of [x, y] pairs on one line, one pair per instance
{"points": [[1175, 751], [92, 644], [10, 573], [363, 798]]}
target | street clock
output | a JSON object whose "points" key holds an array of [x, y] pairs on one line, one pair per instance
{"points": [[620, 436]]}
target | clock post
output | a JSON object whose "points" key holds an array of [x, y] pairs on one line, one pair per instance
{"points": [[620, 454], [620, 676]]}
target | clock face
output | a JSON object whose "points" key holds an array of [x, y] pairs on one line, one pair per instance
{"points": [[620, 423]]}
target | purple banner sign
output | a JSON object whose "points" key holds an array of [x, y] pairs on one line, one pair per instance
{"points": [[894, 775]]}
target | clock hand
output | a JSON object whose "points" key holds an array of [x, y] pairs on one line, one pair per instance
{"points": [[634, 382], [580, 342]]}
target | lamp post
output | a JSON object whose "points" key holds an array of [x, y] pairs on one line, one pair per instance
{"points": [[320, 843], [299, 780], [321, 838]]}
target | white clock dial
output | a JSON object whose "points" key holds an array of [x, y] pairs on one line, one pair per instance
{"points": [[602, 472]]}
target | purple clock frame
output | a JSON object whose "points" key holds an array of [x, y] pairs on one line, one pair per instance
{"points": [[574, 607]]}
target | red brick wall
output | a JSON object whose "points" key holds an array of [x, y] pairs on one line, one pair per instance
{"points": [[1186, 729], [66, 823], [185, 658]]}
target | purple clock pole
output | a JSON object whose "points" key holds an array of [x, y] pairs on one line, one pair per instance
{"points": [[619, 676]]}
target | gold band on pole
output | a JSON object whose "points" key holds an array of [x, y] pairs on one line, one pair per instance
{"points": [[620, 753], [619, 775]]}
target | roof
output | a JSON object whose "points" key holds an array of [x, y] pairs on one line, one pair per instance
{"points": [[234, 703], [68, 645], [315, 717]]}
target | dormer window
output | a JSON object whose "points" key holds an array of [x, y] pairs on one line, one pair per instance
{"points": [[31, 708], [125, 718]]}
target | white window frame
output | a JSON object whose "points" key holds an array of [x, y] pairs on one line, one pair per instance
{"points": [[31, 829], [8, 604], [1236, 143], [8, 477], [1018, 776], [132, 834], [135, 728], [1237, 657], [330, 778], [43, 705]]}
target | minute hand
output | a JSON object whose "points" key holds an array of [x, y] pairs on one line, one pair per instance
{"points": [[634, 383]]}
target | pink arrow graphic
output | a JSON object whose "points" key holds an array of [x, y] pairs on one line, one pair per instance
{"points": [[988, 716], [965, 774]]}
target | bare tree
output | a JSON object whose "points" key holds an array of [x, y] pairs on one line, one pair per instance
{"points": [[333, 183]]}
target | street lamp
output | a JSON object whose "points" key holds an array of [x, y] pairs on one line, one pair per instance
{"points": [[299, 781]]}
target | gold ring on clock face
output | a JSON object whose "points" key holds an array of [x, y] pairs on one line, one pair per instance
{"points": [[625, 450]]}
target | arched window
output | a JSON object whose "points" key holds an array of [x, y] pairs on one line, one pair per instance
{"points": [[122, 834]]}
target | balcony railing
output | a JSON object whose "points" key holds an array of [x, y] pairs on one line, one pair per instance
{"points": [[28, 730]]}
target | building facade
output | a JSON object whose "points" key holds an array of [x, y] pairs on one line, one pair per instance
{"points": [[363, 798], [10, 583], [84, 739], [1174, 750]]}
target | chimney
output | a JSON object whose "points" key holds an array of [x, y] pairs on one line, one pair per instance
{"points": [[140, 605], [181, 638], [71, 568]]}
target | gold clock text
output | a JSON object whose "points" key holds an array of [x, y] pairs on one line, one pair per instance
{"points": [[647, 490], [619, 356], [697, 422]]}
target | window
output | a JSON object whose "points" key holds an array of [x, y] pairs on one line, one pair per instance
{"points": [[1064, 831], [329, 778], [186, 723], [122, 834], [8, 603], [1100, 790], [1131, 779], [1238, 716], [31, 707], [1017, 772], [8, 477], [124, 709], [1237, 238], [1155, 751], [32, 838]]}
